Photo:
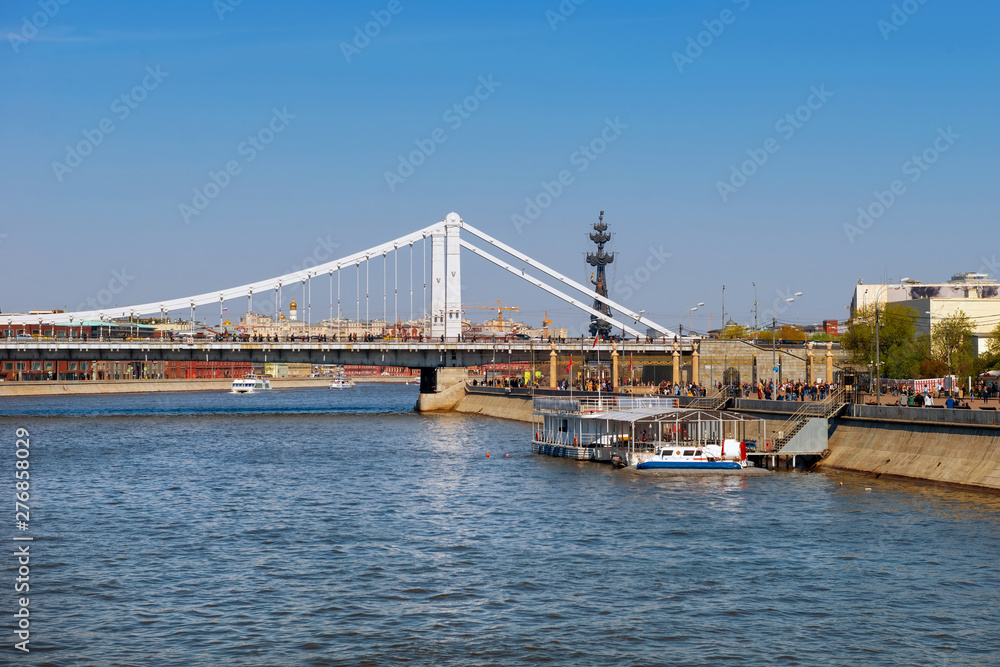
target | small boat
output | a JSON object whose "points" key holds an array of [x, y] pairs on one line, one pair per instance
{"points": [[693, 457], [341, 383], [250, 384]]}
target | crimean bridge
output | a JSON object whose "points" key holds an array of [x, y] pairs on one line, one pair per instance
{"points": [[444, 347]]}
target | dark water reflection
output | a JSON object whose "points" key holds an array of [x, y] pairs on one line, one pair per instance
{"points": [[317, 527]]}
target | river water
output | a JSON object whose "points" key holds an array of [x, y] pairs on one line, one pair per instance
{"points": [[319, 527]]}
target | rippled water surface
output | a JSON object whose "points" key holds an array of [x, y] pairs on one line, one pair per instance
{"points": [[318, 527]]}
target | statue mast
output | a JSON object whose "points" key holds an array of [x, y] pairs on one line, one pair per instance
{"points": [[598, 327]]}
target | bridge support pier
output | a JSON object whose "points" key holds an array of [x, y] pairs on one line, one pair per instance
{"points": [[552, 367], [441, 388]]}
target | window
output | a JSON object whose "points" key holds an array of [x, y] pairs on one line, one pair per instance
{"points": [[8, 365], [564, 426], [48, 365], [688, 452], [20, 365], [72, 365], [36, 365], [83, 365]]}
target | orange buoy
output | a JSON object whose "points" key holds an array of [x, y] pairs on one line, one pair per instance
{"points": [[487, 455], [574, 442], [507, 456]]}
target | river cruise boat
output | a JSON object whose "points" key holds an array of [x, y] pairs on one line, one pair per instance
{"points": [[341, 383], [638, 430], [250, 384]]}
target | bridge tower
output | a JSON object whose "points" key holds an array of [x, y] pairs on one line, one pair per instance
{"points": [[598, 327], [446, 280]]}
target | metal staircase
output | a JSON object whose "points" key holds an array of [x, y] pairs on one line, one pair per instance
{"points": [[828, 407], [714, 401]]}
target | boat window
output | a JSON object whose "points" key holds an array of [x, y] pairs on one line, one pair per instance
{"points": [[668, 452], [698, 453], [688, 452], [564, 427]]}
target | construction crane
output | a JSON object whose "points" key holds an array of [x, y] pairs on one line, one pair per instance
{"points": [[499, 308], [545, 324]]}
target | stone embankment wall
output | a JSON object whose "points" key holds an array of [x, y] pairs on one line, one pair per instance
{"points": [[963, 455], [517, 408], [717, 355]]}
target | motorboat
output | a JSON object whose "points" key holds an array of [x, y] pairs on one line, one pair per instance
{"points": [[250, 384], [731, 455], [341, 383]]}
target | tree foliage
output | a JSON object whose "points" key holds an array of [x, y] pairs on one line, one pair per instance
{"points": [[952, 342], [734, 331], [897, 347]]}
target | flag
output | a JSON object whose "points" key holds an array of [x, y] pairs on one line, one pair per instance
{"points": [[595, 343], [569, 366]]}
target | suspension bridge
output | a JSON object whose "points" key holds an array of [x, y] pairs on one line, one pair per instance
{"points": [[443, 345]]}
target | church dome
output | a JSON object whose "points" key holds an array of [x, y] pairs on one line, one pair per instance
{"points": [[292, 305]]}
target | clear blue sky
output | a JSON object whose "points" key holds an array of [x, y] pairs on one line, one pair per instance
{"points": [[682, 126]]}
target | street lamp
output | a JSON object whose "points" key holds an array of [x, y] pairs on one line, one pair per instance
{"points": [[947, 344], [680, 319], [774, 340], [878, 363]]}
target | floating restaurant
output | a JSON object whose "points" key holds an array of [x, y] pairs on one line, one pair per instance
{"points": [[633, 428]]}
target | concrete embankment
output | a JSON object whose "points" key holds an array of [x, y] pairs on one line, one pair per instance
{"points": [[956, 454], [517, 408], [957, 447], [156, 386]]}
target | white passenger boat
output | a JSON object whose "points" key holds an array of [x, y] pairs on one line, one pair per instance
{"points": [[732, 455], [250, 384], [341, 383]]}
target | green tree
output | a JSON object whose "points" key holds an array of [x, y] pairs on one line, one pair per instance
{"points": [[897, 347], [994, 344], [952, 342]]}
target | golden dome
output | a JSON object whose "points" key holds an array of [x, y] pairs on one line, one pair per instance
{"points": [[292, 305]]}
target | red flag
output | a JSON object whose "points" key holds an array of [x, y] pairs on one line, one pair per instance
{"points": [[595, 343], [569, 366]]}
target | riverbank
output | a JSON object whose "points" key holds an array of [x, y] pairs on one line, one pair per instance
{"points": [[959, 448], [85, 387]]}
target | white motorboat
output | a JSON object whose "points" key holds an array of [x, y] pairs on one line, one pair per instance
{"points": [[250, 384], [341, 383], [731, 455]]}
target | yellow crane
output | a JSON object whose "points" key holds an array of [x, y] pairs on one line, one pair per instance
{"points": [[545, 324], [499, 308]]}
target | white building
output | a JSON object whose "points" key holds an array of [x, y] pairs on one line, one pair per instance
{"points": [[974, 294]]}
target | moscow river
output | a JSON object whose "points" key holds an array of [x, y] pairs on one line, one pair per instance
{"points": [[319, 527]]}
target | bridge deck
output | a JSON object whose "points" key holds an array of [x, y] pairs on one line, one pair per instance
{"points": [[379, 353]]}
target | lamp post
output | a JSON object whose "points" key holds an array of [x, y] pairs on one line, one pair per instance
{"points": [[680, 319], [754, 312], [723, 328], [878, 362], [947, 342], [774, 340]]}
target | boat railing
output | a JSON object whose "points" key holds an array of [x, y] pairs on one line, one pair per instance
{"points": [[592, 404]]}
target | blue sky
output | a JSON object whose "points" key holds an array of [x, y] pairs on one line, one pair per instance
{"points": [[210, 78]]}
